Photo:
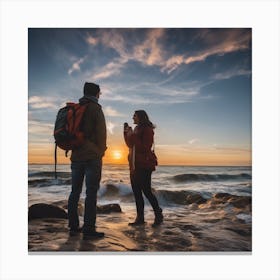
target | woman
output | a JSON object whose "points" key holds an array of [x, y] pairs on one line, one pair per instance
{"points": [[142, 162]]}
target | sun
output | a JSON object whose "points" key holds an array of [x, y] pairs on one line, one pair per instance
{"points": [[117, 154]]}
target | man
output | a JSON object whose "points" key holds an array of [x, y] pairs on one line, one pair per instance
{"points": [[86, 161]]}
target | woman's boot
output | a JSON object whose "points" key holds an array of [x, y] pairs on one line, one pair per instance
{"points": [[138, 221], [158, 217]]}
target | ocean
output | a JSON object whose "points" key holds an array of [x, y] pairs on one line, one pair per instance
{"points": [[171, 183]]}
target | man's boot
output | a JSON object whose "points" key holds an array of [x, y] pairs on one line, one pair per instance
{"points": [[91, 233]]}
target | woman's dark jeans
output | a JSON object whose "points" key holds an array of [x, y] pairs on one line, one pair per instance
{"points": [[91, 170], [141, 182]]}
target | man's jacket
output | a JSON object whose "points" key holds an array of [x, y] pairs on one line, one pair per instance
{"points": [[94, 127]]}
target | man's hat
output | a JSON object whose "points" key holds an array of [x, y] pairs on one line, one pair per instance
{"points": [[91, 89]]}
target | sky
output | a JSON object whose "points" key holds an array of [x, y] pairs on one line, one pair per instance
{"points": [[194, 83]]}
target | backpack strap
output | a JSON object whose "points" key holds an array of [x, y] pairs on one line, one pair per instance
{"points": [[55, 161]]}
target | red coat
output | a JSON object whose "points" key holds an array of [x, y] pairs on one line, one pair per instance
{"points": [[140, 142]]}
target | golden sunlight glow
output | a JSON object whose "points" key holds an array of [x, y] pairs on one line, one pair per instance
{"points": [[44, 153], [117, 155]]}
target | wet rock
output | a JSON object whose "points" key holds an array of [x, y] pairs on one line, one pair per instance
{"points": [[108, 208], [64, 205], [223, 196], [111, 190], [177, 197], [193, 206], [235, 200], [181, 197], [195, 198], [185, 242], [243, 232], [241, 202], [43, 210], [189, 227]]}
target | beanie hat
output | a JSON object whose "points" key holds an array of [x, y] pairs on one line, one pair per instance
{"points": [[91, 89]]}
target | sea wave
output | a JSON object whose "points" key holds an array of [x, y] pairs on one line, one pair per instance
{"points": [[45, 182], [114, 190], [176, 197], [193, 177], [49, 174], [123, 192]]}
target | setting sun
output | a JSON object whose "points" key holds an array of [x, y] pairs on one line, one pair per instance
{"points": [[117, 155]]}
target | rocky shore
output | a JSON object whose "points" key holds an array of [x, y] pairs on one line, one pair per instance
{"points": [[220, 224]]}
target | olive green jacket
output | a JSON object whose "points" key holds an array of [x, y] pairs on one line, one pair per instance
{"points": [[94, 128]]}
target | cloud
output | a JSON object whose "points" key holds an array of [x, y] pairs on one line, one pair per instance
{"points": [[150, 52], [193, 141], [110, 112], [233, 150], [205, 149], [110, 127], [110, 69], [217, 43], [231, 73], [154, 93], [92, 40], [38, 102], [172, 63], [147, 52], [182, 148], [131, 99], [76, 66], [162, 92], [115, 40], [40, 130]]}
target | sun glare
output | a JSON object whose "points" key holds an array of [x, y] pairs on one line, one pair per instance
{"points": [[117, 155]]}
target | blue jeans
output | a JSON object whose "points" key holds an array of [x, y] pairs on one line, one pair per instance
{"points": [[91, 170]]}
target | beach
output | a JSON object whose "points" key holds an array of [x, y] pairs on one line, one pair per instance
{"points": [[206, 209]]}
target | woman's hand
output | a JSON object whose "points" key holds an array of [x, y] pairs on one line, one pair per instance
{"points": [[126, 128]]}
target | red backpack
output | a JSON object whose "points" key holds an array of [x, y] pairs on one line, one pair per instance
{"points": [[68, 132]]}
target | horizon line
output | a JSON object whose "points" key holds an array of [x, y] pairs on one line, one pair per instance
{"points": [[189, 165]]}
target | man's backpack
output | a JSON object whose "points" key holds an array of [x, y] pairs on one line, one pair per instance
{"points": [[68, 132]]}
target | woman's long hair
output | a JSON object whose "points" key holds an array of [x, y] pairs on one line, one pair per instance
{"points": [[144, 118]]}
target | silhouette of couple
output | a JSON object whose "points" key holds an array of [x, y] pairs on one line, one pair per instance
{"points": [[86, 162]]}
